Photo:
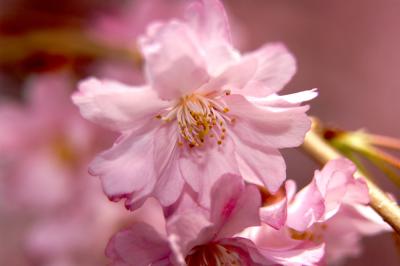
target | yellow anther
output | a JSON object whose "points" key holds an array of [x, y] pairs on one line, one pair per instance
{"points": [[197, 116]]}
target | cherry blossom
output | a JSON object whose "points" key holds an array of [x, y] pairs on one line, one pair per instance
{"points": [[193, 236], [206, 110], [325, 220]]}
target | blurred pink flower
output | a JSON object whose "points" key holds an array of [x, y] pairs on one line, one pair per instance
{"points": [[44, 147], [45, 144], [120, 28], [217, 112], [194, 237]]}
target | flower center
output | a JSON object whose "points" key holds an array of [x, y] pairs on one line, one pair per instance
{"points": [[213, 255], [200, 117]]}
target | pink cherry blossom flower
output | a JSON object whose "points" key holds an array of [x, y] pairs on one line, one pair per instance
{"points": [[331, 187], [197, 236], [344, 218], [194, 237], [325, 220], [205, 110]]}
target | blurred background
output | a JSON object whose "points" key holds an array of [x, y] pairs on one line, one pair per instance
{"points": [[346, 49]]}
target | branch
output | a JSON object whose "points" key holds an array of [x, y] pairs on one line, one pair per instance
{"points": [[322, 152]]}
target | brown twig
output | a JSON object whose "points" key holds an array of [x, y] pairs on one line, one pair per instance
{"points": [[321, 151]]}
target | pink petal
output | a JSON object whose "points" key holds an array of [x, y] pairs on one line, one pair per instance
{"points": [[234, 206], [260, 165], [209, 19], [276, 66], [202, 168], [307, 254], [273, 127], [188, 229], [187, 204], [150, 213], [338, 185], [236, 76], [116, 106], [174, 64], [141, 246], [222, 56], [125, 170], [307, 207], [166, 156], [289, 100], [278, 246], [357, 192], [275, 214], [170, 184], [291, 188]]}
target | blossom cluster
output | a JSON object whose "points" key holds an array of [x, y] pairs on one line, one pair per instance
{"points": [[202, 137], [197, 161]]}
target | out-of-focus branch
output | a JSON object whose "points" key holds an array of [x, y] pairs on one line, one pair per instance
{"points": [[321, 151], [68, 42]]}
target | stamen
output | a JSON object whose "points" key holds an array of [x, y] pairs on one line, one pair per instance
{"points": [[199, 117]]}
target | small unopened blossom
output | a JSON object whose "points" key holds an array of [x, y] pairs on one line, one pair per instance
{"points": [[205, 110]]}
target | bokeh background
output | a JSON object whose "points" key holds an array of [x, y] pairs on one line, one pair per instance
{"points": [[349, 50]]}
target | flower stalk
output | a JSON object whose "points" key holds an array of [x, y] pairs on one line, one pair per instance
{"points": [[321, 151]]}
